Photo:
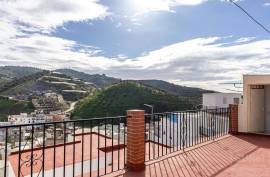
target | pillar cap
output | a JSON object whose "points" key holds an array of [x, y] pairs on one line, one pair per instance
{"points": [[135, 110]]}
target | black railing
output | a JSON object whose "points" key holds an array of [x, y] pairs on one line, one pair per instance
{"points": [[174, 131], [96, 147], [91, 147]]}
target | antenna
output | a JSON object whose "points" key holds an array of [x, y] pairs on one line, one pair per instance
{"points": [[237, 85]]}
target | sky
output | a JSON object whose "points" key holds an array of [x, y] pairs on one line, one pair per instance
{"points": [[200, 43]]}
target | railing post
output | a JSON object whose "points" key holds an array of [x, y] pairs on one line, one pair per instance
{"points": [[135, 140], [233, 118]]}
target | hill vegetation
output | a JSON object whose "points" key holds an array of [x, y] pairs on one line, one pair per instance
{"points": [[98, 80], [17, 82], [99, 95], [10, 73], [9, 107], [17, 71], [45, 81], [120, 97], [194, 95]]}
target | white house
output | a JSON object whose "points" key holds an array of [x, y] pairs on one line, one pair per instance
{"points": [[220, 100]]}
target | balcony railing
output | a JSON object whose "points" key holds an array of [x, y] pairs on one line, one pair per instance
{"points": [[173, 131], [96, 147], [93, 146]]}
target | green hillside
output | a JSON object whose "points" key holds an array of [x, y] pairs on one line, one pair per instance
{"points": [[194, 95], [45, 81], [9, 107], [10, 73], [16, 83], [99, 80], [17, 71], [120, 97]]}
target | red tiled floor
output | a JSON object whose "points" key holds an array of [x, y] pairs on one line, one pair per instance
{"points": [[233, 156], [59, 155]]}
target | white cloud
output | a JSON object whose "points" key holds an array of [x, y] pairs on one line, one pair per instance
{"points": [[46, 15], [186, 2], [267, 4], [202, 62], [144, 6], [245, 39], [199, 62], [118, 25]]}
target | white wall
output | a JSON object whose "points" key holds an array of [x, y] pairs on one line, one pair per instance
{"points": [[213, 100]]}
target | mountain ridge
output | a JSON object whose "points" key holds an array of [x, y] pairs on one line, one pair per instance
{"points": [[100, 80]]}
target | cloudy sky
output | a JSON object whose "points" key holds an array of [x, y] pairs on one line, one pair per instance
{"points": [[198, 43]]}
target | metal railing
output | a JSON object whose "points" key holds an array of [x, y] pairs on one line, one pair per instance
{"points": [[91, 147], [174, 131], [97, 146]]}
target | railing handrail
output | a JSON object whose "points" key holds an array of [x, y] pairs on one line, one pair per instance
{"points": [[183, 129], [193, 110], [100, 118], [62, 122]]}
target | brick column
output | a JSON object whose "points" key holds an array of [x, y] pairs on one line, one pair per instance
{"points": [[135, 140], [233, 108]]}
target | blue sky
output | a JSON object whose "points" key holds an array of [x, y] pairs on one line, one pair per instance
{"points": [[189, 42], [161, 28]]}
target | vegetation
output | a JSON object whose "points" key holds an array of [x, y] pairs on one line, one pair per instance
{"points": [[17, 71], [11, 73], [120, 97], [17, 82], [44, 81], [194, 95], [9, 107], [101, 95], [98, 80]]}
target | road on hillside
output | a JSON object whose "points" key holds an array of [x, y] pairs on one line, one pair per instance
{"points": [[71, 107]]}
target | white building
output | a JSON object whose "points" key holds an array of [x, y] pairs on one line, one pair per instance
{"points": [[220, 100], [3, 131], [35, 117]]}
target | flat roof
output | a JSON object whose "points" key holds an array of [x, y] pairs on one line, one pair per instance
{"points": [[256, 74], [221, 93]]}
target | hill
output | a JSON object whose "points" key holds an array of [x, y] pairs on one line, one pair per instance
{"points": [[8, 107], [17, 71], [100, 81], [118, 98], [46, 81], [9, 73], [190, 93]]}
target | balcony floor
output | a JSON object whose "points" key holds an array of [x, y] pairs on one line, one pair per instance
{"points": [[230, 156]]}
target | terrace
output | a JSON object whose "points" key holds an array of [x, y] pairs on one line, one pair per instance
{"points": [[189, 143], [237, 156]]}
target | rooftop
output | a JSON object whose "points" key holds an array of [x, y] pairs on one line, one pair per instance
{"points": [[230, 156], [197, 144]]}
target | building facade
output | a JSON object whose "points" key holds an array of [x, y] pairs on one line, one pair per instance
{"points": [[220, 100]]}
